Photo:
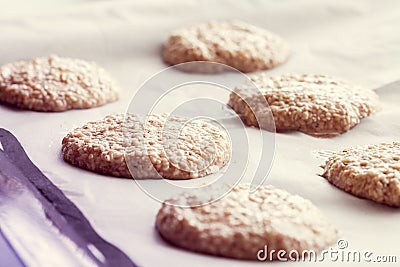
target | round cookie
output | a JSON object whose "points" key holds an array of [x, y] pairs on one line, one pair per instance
{"points": [[237, 44], [241, 224], [371, 172], [318, 105], [168, 146], [55, 84]]}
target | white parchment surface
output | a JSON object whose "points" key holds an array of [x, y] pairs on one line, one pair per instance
{"points": [[356, 40]]}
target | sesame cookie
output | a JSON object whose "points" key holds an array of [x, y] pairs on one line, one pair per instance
{"points": [[167, 146], [237, 44], [318, 105], [55, 84], [371, 172], [240, 224]]}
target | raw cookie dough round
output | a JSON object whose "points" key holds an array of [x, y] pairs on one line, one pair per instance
{"points": [[178, 149], [237, 44], [315, 104], [55, 84], [240, 224], [371, 172]]}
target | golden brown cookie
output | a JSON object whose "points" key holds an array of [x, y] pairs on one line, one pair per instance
{"points": [[371, 172], [237, 44], [240, 224], [318, 105], [175, 149], [56, 84]]}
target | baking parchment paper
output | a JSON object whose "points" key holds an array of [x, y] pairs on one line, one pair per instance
{"points": [[358, 41]]}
